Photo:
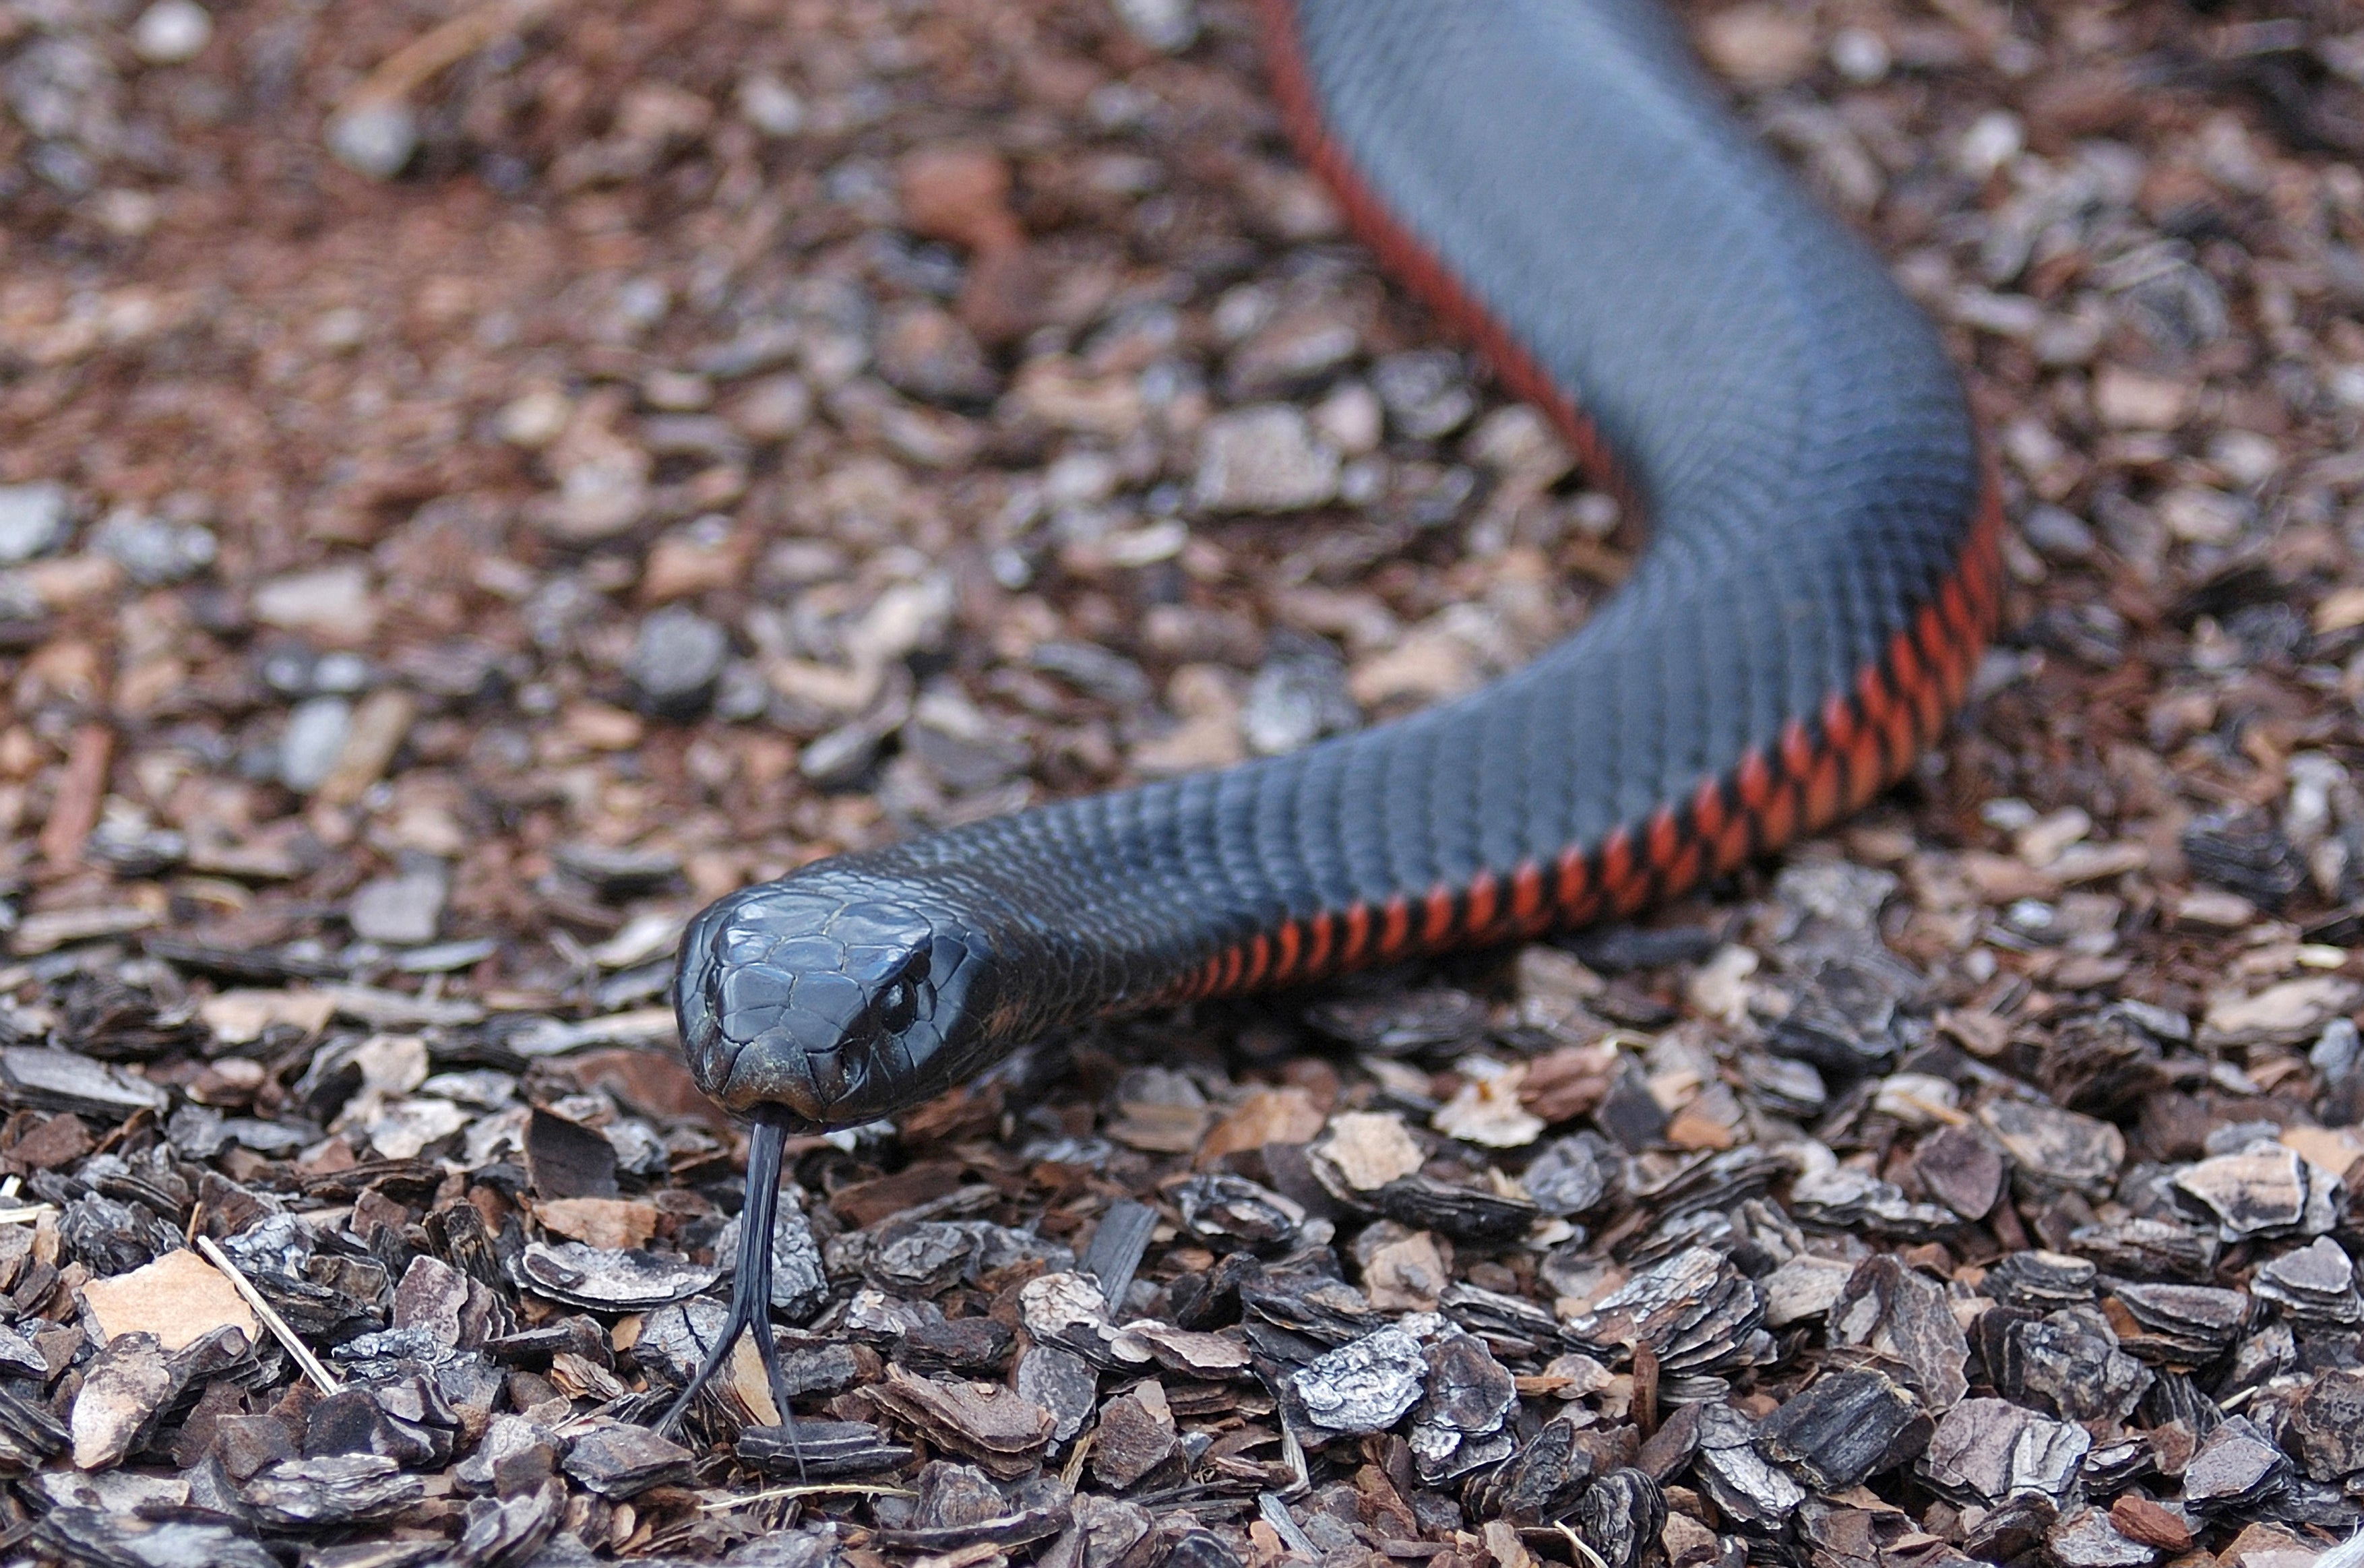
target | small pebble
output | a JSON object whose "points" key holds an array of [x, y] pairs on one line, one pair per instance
{"points": [[838, 758], [151, 551], [315, 735], [341, 672], [535, 419], [2131, 400], [677, 392], [32, 520], [1350, 419], [1427, 392], [1993, 139], [1295, 700], [1758, 45], [334, 601], [1168, 26], [400, 911], [2058, 533], [375, 139], [771, 106], [1264, 459], [172, 31], [620, 1460], [1860, 55], [772, 409], [675, 663]]}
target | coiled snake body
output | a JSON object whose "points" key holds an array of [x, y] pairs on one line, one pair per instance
{"points": [[1821, 578]]}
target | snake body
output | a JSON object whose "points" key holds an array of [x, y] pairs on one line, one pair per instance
{"points": [[1821, 575]]}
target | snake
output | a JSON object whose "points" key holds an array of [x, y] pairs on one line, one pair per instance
{"points": [[1563, 182]]}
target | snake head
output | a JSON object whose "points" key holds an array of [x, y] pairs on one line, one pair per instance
{"points": [[835, 1003]]}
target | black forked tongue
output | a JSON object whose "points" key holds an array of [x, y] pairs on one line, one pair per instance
{"points": [[750, 1292]]}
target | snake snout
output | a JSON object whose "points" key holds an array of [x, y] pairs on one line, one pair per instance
{"points": [[803, 1034]]}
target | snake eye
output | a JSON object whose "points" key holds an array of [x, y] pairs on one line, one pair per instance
{"points": [[896, 1005]]}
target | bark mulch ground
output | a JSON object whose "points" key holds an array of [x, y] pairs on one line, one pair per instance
{"points": [[478, 481]]}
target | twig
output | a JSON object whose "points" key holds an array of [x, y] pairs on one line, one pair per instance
{"points": [[1074, 1469], [443, 46], [1583, 1548], [271, 1320], [81, 788]]}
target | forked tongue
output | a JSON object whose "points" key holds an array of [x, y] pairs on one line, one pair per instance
{"points": [[750, 1292]]}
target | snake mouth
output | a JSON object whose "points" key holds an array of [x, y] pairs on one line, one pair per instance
{"points": [[805, 1084]]}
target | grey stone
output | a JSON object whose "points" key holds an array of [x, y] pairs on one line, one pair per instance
{"points": [[814, 1547], [610, 1281], [309, 746], [350, 1421], [771, 106], [964, 748], [1167, 25], [676, 660], [1111, 677], [1903, 1315], [375, 139], [2237, 1464], [742, 694], [1469, 1396], [1264, 459], [1297, 696], [1427, 392], [2265, 1190], [773, 410], [172, 31], [401, 911], [923, 350], [2316, 1284], [1847, 1425], [2059, 534], [1291, 352], [837, 759], [1571, 1175], [340, 674], [32, 520]]}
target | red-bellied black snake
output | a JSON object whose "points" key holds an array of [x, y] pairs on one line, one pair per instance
{"points": [[1821, 578]]}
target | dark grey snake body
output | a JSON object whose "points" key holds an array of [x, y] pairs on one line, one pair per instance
{"points": [[1821, 579]]}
